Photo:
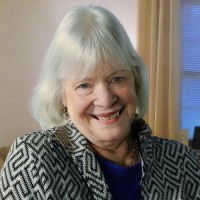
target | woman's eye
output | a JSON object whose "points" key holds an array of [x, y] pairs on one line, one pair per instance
{"points": [[83, 86], [118, 79]]}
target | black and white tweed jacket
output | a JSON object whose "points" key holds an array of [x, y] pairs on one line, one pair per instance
{"points": [[59, 165]]}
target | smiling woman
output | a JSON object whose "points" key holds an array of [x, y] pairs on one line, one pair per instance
{"points": [[91, 99], [107, 107], [97, 41]]}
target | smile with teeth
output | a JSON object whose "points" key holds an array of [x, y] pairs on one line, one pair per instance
{"points": [[108, 117]]}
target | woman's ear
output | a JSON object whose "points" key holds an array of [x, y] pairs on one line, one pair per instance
{"points": [[63, 92], [64, 102]]}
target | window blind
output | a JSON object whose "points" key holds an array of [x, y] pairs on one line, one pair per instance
{"points": [[190, 60]]}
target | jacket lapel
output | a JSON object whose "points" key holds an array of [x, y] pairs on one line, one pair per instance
{"points": [[76, 146], [78, 149]]}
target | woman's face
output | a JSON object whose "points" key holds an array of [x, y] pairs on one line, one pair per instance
{"points": [[102, 105]]}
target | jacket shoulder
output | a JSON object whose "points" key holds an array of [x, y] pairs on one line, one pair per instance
{"points": [[174, 163], [168, 147], [37, 162], [169, 151]]}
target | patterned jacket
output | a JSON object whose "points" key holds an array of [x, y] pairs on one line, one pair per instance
{"points": [[59, 165]]}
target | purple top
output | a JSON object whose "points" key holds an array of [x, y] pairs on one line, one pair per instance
{"points": [[123, 182]]}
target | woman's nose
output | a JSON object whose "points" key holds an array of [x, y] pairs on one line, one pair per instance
{"points": [[104, 96]]}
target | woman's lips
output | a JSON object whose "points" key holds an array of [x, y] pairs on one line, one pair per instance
{"points": [[108, 116]]}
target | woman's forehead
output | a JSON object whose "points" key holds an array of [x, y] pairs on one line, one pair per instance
{"points": [[96, 71]]}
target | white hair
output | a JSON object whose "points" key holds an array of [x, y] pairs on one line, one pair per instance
{"points": [[86, 37]]}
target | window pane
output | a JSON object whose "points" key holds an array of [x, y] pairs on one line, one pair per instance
{"points": [[190, 51]]}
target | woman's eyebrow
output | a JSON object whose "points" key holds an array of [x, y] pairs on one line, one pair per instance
{"points": [[79, 80], [118, 71], [85, 79]]}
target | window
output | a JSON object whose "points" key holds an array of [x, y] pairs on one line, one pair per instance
{"points": [[190, 60]]}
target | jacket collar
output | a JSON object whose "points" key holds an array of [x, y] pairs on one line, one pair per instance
{"points": [[76, 143], [76, 146]]}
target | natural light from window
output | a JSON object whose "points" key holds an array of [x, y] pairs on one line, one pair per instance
{"points": [[190, 54]]}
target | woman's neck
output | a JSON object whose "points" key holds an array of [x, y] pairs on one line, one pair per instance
{"points": [[125, 154]]}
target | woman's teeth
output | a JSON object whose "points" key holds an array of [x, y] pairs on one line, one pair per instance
{"points": [[109, 117]]}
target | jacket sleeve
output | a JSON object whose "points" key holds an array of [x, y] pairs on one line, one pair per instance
{"points": [[19, 178], [191, 170]]}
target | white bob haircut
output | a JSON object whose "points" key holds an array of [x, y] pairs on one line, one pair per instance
{"points": [[87, 37]]}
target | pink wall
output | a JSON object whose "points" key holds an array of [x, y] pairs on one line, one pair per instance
{"points": [[26, 29]]}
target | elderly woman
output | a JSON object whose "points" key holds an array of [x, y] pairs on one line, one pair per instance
{"points": [[93, 92]]}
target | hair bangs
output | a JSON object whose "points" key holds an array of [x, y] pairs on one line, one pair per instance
{"points": [[83, 54]]}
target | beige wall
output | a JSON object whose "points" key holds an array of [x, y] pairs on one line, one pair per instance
{"points": [[26, 29]]}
